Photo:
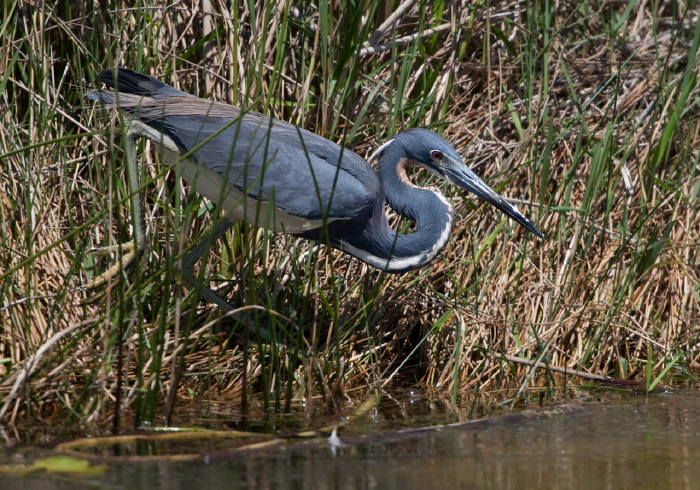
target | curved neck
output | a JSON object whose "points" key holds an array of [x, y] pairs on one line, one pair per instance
{"points": [[382, 247]]}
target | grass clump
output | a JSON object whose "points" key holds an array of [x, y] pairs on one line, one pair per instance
{"points": [[585, 115]]}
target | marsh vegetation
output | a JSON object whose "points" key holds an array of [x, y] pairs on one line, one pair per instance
{"points": [[584, 114]]}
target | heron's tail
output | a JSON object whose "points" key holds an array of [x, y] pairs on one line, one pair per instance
{"points": [[133, 82], [125, 81], [149, 99]]}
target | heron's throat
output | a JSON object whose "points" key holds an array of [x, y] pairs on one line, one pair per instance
{"points": [[415, 203], [401, 171], [382, 247]]}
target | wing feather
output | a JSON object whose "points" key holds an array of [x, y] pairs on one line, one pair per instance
{"points": [[304, 174]]}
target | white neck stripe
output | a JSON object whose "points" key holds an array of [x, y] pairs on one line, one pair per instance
{"points": [[396, 264], [379, 150]]}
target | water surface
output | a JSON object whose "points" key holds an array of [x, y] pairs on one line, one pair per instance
{"points": [[631, 442]]}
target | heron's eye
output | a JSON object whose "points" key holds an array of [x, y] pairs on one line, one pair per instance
{"points": [[436, 155]]}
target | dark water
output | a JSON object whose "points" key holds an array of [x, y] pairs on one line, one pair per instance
{"points": [[632, 442]]}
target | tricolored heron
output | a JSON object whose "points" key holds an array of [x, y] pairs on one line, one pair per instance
{"points": [[273, 174]]}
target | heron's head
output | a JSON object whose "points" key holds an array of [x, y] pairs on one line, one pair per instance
{"points": [[429, 150]]}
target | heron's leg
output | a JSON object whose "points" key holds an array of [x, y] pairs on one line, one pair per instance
{"points": [[189, 279], [138, 243]]}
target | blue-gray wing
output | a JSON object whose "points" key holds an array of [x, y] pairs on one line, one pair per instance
{"points": [[303, 174]]}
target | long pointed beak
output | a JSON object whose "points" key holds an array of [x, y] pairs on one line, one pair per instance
{"points": [[462, 176]]}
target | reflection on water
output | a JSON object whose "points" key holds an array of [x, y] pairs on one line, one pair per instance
{"points": [[633, 442]]}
